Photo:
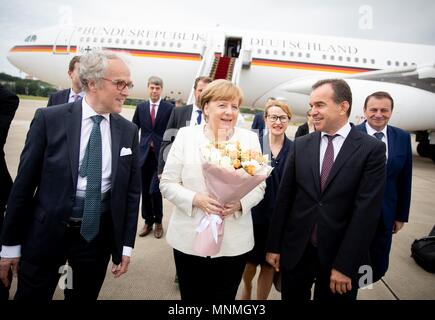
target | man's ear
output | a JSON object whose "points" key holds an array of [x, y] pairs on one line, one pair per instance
{"points": [[92, 85], [344, 106]]}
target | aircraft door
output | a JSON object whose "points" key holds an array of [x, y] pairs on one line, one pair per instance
{"points": [[232, 47], [62, 45]]}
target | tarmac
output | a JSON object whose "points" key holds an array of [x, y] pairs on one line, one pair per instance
{"points": [[152, 270]]}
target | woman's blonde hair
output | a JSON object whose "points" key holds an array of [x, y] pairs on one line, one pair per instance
{"points": [[221, 90], [276, 103]]}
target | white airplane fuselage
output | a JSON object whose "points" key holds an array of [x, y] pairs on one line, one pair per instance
{"points": [[279, 65]]}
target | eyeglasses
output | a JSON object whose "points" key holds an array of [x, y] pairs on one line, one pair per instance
{"points": [[283, 119], [120, 84]]}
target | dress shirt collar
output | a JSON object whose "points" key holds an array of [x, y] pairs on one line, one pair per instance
{"points": [[342, 132], [372, 131], [72, 93], [156, 103], [88, 112]]}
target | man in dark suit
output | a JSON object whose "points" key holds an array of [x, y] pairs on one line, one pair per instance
{"points": [[8, 105], [305, 128], [190, 115], [75, 92], [77, 191], [328, 203], [378, 108], [151, 117]]}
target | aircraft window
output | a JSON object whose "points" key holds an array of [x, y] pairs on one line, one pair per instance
{"points": [[266, 51], [283, 53], [178, 45], [356, 60], [324, 56], [364, 60], [95, 39], [299, 54], [389, 62], [132, 42], [291, 53], [348, 59], [405, 64], [109, 40], [332, 57], [34, 38], [81, 39], [117, 41], [171, 44], [307, 55], [258, 50], [124, 41], [88, 39], [156, 43], [340, 58], [194, 45], [413, 63], [147, 43], [102, 40], [372, 61], [140, 42], [397, 63]]}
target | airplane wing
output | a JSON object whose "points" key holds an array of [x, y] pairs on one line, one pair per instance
{"points": [[420, 77]]}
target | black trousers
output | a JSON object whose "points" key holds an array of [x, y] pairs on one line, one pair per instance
{"points": [[82, 278], [152, 203], [296, 283], [206, 279]]}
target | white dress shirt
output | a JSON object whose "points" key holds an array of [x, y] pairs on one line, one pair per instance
{"points": [[106, 166], [372, 132], [337, 142], [194, 116], [157, 107]]}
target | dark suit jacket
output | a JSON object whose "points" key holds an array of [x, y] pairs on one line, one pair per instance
{"points": [[302, 130], [180, 117], [142, 118], [43, 194], [59, 97], [397, 197], [8, 105], [346, 212], [262, 212]]}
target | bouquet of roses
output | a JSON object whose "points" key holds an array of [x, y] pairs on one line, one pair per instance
{"points": [[230, 173]]}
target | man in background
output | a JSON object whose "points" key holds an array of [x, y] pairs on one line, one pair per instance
{"points": [[75, 92], [378, 109], [151, 117]]}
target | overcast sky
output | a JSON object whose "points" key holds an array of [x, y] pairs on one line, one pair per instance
{"points": [[390, 20]]}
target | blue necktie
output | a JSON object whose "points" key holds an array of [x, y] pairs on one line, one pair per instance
{"points": [[199, 118], [91, 168], [379, 135]]}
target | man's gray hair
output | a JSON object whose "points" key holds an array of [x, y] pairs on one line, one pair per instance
{"points": [[157, 81], [93, 66]]}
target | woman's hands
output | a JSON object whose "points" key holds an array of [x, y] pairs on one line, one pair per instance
{"points": [[212, 206], [207, 204]]}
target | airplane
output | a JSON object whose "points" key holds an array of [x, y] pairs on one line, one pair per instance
{"points": [[263, 64]]}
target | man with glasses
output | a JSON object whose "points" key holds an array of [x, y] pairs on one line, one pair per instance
{"points": [[76, 195], [152, 117]]}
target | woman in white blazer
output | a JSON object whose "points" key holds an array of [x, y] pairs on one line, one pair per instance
{"points": [[182, 183]]}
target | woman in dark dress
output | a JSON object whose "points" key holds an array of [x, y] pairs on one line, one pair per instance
{"points": [[277, 116]]}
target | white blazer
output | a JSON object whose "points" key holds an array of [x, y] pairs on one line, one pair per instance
{"points": [[182, 178]]}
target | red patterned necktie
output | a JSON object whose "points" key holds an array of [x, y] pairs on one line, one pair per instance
{"points": [[328, 161]]}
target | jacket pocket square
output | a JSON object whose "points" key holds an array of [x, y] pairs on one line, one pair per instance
{"points": [[125, 152]]}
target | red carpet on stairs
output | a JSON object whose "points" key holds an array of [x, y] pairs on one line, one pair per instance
{"points": [[222, 68]]}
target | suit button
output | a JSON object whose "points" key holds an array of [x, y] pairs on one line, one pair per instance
{"points": [[320, 204]]}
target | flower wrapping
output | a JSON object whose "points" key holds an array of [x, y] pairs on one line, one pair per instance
{"points": [[229, 175]]}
